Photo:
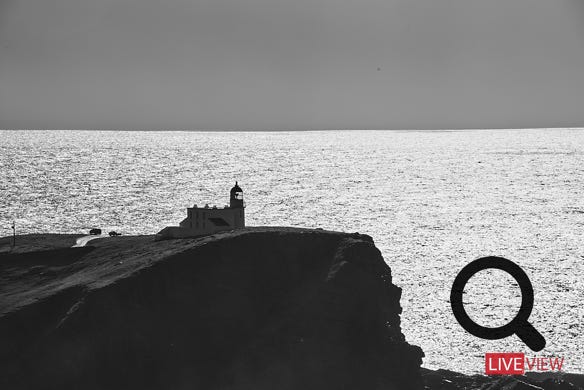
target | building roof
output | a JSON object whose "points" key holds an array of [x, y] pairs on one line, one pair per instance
{"points": [[218, 221]]}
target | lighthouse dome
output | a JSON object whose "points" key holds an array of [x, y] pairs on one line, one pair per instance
{"points": [[236, 188]]}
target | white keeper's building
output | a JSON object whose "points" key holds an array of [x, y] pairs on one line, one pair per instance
{"points": [[201, 221]]}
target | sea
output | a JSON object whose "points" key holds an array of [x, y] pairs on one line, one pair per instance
{"points": [[433, 201]]}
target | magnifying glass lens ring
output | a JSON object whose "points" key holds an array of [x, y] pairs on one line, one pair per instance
{"points": [[469, 271]]}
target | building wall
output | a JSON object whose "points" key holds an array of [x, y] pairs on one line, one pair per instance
{"points": [[197, 222]]}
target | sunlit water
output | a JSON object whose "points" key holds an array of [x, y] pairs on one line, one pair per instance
{"points": [[433, 201]]}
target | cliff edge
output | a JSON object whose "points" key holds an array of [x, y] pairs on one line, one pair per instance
{"points": [[259, 308]]}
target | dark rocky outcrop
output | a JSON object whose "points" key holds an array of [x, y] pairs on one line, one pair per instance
{"points": [[260, 308], [264, 308]]}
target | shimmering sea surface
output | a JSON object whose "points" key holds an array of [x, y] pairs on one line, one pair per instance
{"points": [[432, 200]]}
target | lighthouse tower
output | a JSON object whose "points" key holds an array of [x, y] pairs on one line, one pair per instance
{"points": [[236, 203]]}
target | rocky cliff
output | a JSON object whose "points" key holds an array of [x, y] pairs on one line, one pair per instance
{"points": [[264, 308]]}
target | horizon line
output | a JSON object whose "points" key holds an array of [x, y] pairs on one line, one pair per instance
{"points": [[304, 130]]}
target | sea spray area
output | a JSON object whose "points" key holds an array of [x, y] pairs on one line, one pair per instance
{"points": [[433, 201]]}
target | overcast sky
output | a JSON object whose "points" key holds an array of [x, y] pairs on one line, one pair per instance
{"points": [[293, 64]]}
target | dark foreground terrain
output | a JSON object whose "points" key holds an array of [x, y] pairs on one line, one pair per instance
{"points": [[262, 308]]}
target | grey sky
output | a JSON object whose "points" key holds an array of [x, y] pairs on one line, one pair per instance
{"points": [[273, 64]]}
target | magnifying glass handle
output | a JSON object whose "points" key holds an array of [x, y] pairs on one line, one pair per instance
{"points": [[531, 337]]}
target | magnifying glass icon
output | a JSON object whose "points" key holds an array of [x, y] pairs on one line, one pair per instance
{"points": [[519, 325]]}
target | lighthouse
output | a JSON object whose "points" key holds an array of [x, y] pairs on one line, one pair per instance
{"points": [[236, 203], [201, 221]]}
